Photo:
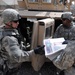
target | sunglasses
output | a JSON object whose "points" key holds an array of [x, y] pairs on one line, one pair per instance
{"points": [[65, 19], [15, 21]]}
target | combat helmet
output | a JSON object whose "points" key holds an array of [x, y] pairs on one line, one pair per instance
{"points": [[67, 15], [9, 15]]}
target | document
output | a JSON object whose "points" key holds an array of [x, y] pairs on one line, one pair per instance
{"points": [[53, 47]]}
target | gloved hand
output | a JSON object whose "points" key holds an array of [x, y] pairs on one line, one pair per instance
{"points": [[65, 42], [39, 50]]}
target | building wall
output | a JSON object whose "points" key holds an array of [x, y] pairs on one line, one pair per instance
{"points": [[8, 4]]}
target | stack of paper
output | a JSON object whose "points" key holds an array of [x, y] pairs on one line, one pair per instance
{"points": [[53, 47]]}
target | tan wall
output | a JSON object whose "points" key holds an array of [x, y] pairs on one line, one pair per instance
{"points": [[40, 5]]}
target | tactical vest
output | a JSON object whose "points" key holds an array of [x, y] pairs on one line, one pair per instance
{"points": [[7, 32], [10, 32]]}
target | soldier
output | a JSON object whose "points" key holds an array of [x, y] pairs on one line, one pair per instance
{"points": [[11, 52], [65, 60], [67, 28]]}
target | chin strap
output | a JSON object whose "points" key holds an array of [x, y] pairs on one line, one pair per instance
{"points": [[9, 25]]}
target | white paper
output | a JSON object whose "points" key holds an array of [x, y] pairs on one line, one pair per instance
{"points": [[53, 47]]}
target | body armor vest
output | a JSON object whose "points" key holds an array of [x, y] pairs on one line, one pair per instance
{"points": [[13, 32]]}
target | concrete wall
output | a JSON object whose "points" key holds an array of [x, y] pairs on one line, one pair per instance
{"points": [[8, 4]]}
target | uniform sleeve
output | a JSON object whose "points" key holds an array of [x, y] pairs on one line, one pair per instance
{"points": [[66, 58], [10, 44], [56, 34]]}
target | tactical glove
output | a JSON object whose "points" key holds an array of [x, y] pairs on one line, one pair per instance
{"points": [[39, 50], [65, 42]]}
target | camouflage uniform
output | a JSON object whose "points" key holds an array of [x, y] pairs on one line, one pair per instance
{"points": [[67, 33], [63, 30], [65, 60], [12, 52]]}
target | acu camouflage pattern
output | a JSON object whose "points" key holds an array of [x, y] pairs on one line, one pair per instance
{"points": [[67, 33], [11, 51], [67, 15], [66, 59], [9, 15]]}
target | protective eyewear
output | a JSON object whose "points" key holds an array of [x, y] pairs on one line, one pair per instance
{"points": [[15, 21], [64, 19]]}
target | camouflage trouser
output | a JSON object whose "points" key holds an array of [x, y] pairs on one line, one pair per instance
{"points": [[70, 71], [1, 73], [13, 71]]}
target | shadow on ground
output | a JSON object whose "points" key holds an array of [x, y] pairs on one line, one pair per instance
{"points": [[47, 69]]}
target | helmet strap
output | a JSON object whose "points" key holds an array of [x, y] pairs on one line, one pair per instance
{"points": [[9, 25]]}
